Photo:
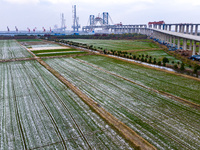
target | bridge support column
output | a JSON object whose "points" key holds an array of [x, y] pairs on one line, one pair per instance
{"points": [[178, 43], [176, 28], [180, 26], [191, 31], [165, 27], [170, 40], [170, 27], [184, 44], [183, 28], [190, 48], [174, 41], [196, 29], [187, 29], [194, 48]]}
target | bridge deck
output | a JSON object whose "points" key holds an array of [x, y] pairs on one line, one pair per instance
{"points": [[181, 35]]}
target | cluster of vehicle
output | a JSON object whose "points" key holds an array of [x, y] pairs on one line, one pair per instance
{"points": [[171, 47], [195, 57]]}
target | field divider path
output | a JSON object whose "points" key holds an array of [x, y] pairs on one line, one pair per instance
{"points": [[130, 135], [191, 104]]}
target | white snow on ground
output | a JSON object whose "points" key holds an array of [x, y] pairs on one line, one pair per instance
{"points": [[147, 64], [48, 48], [163, 115], [34, 87], [10, 49]]}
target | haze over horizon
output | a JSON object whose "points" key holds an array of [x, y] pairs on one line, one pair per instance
{"points": [[46, 13]]}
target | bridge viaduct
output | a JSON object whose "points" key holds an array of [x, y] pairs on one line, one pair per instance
{"points": [[173, 34]]}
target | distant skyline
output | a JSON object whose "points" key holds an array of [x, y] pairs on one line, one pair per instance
{"points": [[46, 13]]}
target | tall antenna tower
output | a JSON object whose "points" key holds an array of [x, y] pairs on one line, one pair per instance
{"points": [[75, 25], [63, 27]]}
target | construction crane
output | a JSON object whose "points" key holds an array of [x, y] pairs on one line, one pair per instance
{"points": [[16, 29], [34, 29], [63, 26], [75, 25]]}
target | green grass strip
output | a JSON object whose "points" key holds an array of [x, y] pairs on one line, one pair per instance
{"points": [[52, 50], [29, 40]]}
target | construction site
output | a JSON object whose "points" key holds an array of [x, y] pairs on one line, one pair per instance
{"points": [[102, 23]]}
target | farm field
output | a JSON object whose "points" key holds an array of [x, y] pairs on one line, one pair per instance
{"points": [[118, 45], [37, 43], [164, 122], [44, 49], [173, 84], [38, 112], [10, 49]]}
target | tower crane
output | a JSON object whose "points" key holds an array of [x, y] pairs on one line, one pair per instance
{"points": [[34, 29], [16, 29]]}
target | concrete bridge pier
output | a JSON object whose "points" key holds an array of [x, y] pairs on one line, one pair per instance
{"points": [[178, 44], [174, 41], [187, 29], [194, 48], [196, 29], [176, 28], [190, 47], [191, 31], [184, 44], [170, 27], [180, 28], [170, 40], [183, 29]]}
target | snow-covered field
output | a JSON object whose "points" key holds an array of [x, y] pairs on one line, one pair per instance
{"points": [[10, 49], [164, 122], [36, 48], [38, 112]]}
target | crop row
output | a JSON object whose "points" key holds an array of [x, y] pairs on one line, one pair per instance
{"points": [[165, 123], [10, 49], [38, 111]]}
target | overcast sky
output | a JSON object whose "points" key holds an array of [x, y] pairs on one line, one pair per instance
{"points": [[46, 13]]}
